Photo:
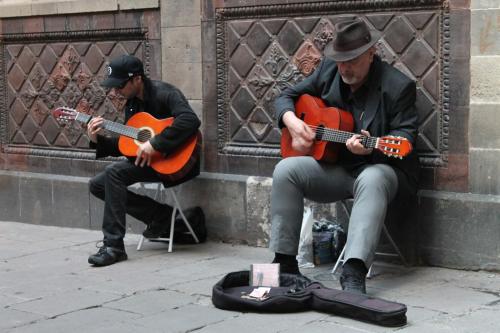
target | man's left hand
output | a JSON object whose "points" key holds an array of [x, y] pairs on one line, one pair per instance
{"points": [[144, 154], [354, 144]]}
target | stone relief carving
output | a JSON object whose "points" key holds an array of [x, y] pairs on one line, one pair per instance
{"points": [[276, 61], [324, 35], [260, 81], [307, 58], [47, 70], [400, 21]]}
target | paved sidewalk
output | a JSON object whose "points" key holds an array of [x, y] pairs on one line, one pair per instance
{"points": [[46, 285]]}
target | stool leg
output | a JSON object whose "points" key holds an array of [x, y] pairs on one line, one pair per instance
{"points": [[369, 275], [141, 240], [339, 260], [186, 222], [393, 243], [172, 227]]}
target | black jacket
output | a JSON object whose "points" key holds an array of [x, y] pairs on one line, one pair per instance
{"points": [[389, 108], [161, 100]]}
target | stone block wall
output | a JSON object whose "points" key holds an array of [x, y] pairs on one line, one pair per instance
{"points": [[58, 60], [485, 98], [460, 226], [181, 48], [457, 224]]}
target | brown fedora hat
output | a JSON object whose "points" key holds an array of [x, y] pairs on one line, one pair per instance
{"points": [[352, 38]]}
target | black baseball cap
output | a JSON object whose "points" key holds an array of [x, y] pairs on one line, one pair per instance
{"points": [[121, 69]]}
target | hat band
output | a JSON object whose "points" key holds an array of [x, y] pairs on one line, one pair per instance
{"points": [[343, 46]]}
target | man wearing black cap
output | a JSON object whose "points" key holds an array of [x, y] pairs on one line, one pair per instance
{"points": [[161, 100], [382, 102]]}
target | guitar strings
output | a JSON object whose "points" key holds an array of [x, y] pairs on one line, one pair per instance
{"points": [[329, 134], [121, 129]]}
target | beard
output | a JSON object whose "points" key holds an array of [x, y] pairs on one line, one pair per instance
{"points": [[349, 79]]}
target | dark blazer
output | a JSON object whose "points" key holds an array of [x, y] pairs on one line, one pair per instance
{"points": [[389, 108]]}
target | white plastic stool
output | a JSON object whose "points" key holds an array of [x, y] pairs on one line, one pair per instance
{"points": [[176, 207], [398, 253]]}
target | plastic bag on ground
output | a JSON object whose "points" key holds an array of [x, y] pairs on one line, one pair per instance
{"points": [[305, 254]]}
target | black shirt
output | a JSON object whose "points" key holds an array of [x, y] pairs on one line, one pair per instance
{"points": [[354, 102], [161, 100]]}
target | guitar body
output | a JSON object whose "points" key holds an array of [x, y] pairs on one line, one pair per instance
{"points": [[313, 111], [171, 167]]}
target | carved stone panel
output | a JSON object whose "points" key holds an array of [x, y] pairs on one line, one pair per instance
{"points": [[47, 70], [261, 50]]}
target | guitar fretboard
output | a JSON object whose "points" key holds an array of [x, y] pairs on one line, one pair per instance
{"points": [[331, 135], [115, 127]]}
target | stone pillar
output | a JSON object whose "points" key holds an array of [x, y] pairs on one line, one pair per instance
{"points": [[485, 98], [181, 48], [461, 229]]}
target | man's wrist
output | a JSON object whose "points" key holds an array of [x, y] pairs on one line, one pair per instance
{"points": [[288, 115]]}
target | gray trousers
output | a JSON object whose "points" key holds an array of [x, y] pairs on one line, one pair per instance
{"points": [[296, 178]]}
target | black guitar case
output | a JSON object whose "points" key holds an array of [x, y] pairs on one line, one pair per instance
{"points": [[298, 293]]}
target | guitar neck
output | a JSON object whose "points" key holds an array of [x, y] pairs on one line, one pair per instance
{"points": [[332, 135], [112, 126]]}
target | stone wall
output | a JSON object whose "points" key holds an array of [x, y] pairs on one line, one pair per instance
{"points": [[462, 229], [58, 60], [24, 8], [181, 48], [485, 98], [457, 223]]}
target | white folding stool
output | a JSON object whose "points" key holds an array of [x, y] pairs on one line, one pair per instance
{"points": [[398, 253], [160, 192]]}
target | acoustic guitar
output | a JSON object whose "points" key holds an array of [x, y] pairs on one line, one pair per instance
{"points": [[140, 128], [333, 126]]}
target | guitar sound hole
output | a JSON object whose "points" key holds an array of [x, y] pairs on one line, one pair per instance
{"points": [[144, 135]]}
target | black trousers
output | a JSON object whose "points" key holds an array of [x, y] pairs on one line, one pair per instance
{"points": [[111, 186]]}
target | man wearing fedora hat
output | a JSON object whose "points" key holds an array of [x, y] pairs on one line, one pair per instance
{"points": [[161, 100], [382, 102]]}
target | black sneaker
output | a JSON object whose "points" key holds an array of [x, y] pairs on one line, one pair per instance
{"points": [[353, 277], [107, 255]]}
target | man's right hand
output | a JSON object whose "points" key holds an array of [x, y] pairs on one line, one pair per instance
{"points": [[94, 127], [302, 135]]}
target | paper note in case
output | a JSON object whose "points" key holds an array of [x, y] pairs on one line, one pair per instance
{"points": [[266, 275]]}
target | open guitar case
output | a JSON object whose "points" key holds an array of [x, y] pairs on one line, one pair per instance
{"points": [[298, 293]]}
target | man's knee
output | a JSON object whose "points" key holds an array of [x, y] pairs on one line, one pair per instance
{"points": [[282, 169], [377, 177], [289, 169], [95, 186]]}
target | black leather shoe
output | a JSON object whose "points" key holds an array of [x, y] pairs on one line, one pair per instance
{"points": [[290, 269], [160, 226], [157, 229], [107, 255], [353, 277], [288, 263]]}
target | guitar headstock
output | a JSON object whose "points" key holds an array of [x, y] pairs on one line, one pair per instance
{"points": [[394, 146], [65, 114]]}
